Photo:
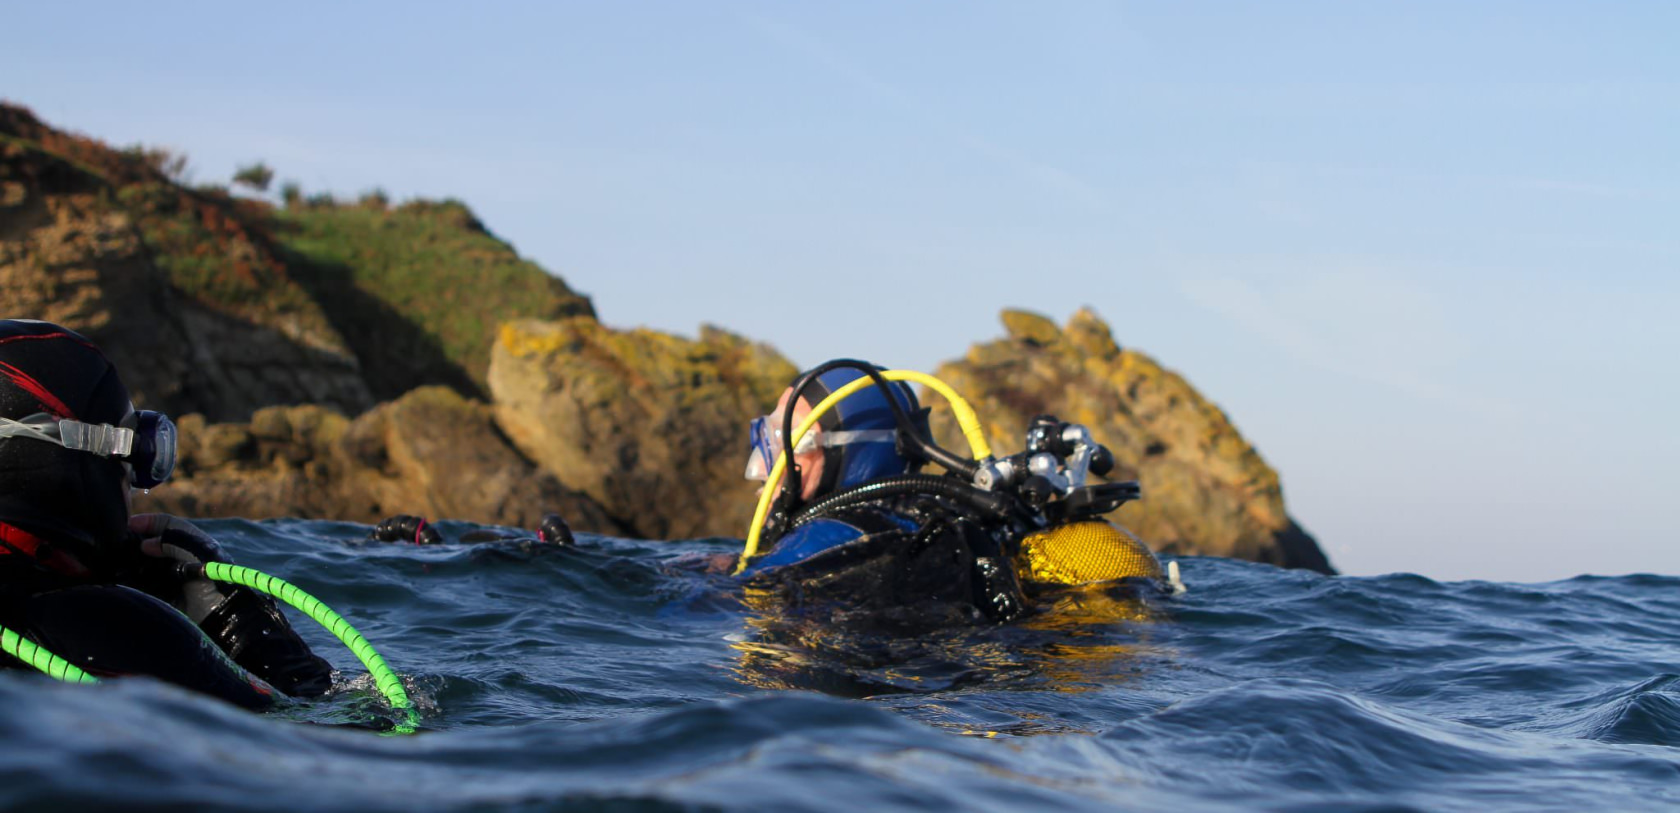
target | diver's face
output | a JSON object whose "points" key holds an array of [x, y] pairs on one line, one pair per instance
{"points": [[810, 462]]}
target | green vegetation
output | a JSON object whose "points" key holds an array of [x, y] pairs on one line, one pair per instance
{"points": [[422, 266], [256, 176], [416, 291], [212, 246]]}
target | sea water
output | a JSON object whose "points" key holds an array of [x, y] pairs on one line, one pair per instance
{"points": [[610, 677]]}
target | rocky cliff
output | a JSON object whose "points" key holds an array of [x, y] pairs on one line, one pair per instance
{"points": [[222, 305], [193, 306], [650, 425], [429, 452], [418, 290], [1206, 490], [484, 388]]}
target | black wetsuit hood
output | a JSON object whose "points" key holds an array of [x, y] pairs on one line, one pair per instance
{"points": [[74, 500]]}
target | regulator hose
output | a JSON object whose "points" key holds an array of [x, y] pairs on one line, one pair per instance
{"points": [[939, 485], [924, 447], [389, 684], [383, 677], [35, 655]]}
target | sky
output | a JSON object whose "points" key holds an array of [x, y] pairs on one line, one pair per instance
{"points": [[1423, 254]]}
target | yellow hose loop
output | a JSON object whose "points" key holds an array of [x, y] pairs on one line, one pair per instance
{"points": [[967, 420]]}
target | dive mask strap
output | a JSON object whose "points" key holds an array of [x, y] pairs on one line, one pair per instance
{"points": [[101, 439], [847, 437]]}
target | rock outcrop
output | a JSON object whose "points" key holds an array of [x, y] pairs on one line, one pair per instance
{"points": [[430, 452], [1206, 490], [184, 296], [650, 425], [418, 290], [273, 324], [222, 305]]}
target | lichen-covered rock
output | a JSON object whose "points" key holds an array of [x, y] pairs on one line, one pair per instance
{"points": [[431, 452], [650, 425], [1206, 490]]}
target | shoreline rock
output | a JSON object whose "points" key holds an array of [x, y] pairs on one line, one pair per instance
{"points": [[429, 452], [652, 426], [275, 324], [1206, 490]]}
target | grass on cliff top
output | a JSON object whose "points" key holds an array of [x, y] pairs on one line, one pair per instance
{"points": [[417, 292], [426, 269], [211, 245]]}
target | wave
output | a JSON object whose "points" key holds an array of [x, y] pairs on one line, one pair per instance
{"points": [[611, 677]]}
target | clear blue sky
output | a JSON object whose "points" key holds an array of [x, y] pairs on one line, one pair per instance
{"points": [[1424, 254]]}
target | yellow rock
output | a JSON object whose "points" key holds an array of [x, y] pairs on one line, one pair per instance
{"points": [[1206, 490], [650, 425]]}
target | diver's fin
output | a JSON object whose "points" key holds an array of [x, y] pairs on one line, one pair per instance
{"points": [[1178, 588]]}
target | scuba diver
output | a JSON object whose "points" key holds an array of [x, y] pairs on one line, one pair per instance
{"points": [[111, 593], [856, 532]]}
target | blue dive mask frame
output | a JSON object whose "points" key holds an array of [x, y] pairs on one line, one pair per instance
{"points": [[765, 434]]}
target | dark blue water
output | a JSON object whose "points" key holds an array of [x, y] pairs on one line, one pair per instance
{"points": [[604, 678]]}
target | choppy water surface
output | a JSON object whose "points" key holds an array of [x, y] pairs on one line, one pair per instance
{"points": [[602, 678]]}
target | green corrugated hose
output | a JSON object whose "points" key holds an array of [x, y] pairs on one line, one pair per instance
{"points": [[31, 653], [389, 684]]}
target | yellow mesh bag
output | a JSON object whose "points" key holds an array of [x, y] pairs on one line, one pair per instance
{"points": [[1084, 552]]}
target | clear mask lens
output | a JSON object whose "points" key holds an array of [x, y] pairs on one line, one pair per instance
{"points": [[767, 445], [765, 434]]}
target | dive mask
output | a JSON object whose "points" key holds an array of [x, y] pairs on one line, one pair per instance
{"points": [[767, 445], [144, 441]]}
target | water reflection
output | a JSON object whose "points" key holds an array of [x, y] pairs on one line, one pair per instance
{"points": [[1078, 639]]}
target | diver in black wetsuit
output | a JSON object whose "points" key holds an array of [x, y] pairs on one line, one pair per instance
{"points": [[94, 585], [856, 533], [908, 556]]}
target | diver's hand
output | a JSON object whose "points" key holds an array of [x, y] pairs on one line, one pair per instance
{"points": [[171, 538], [245, 624]]}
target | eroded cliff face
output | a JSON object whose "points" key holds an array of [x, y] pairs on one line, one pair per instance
{"points": [[1206, 489], [650, 425], [273, 326], [643, 433], [74, 250]]}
